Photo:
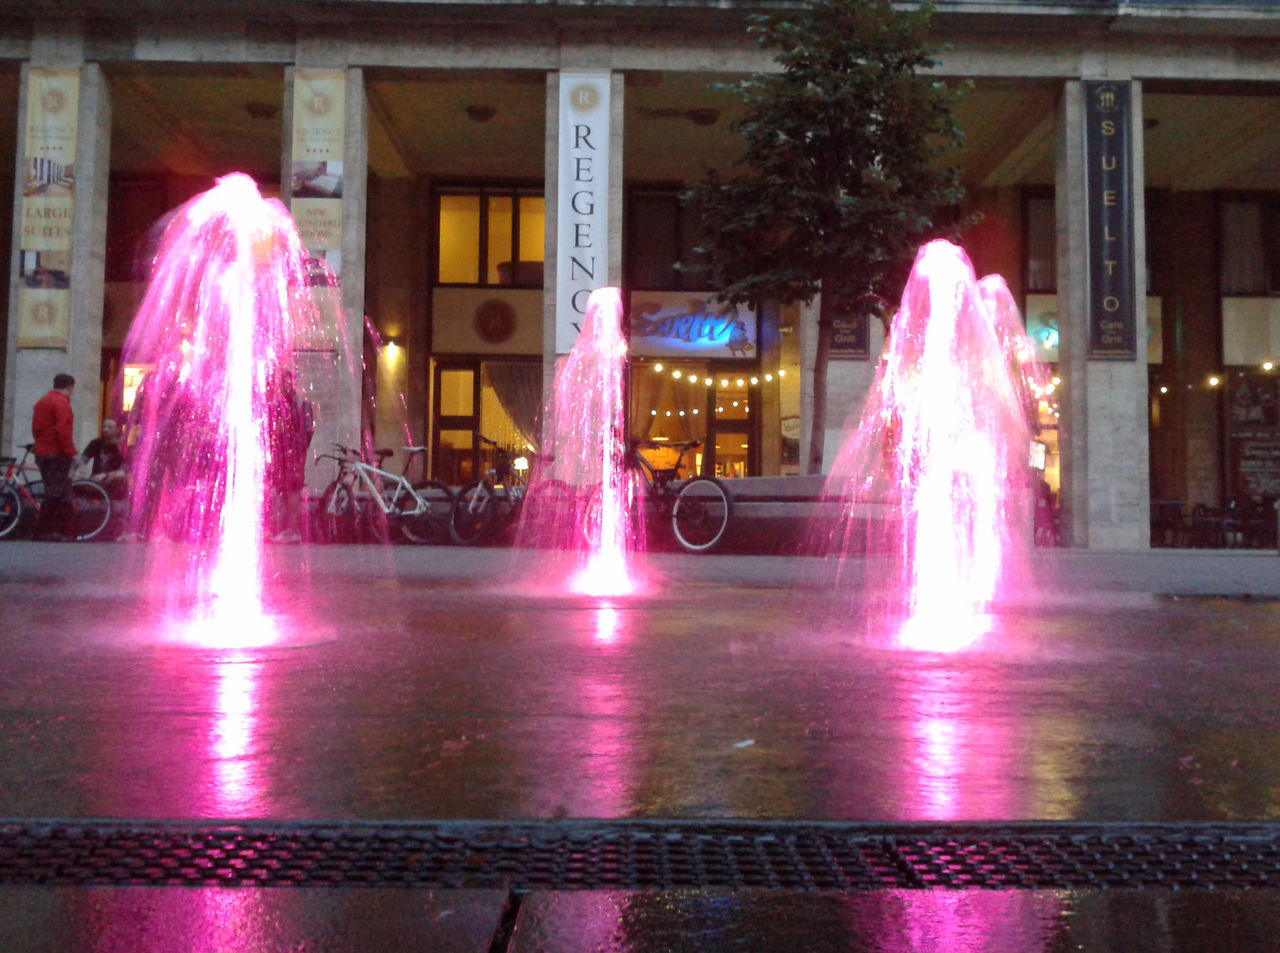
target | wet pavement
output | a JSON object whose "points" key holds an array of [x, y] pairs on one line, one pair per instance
{"points": [[427, 684]]}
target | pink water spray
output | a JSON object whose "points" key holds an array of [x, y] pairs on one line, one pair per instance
{"points": [[583, 499], [226, 305], [935, 481]]}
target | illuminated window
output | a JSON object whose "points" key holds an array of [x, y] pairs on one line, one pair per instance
{"points": [[132, 380], [491, 237]]}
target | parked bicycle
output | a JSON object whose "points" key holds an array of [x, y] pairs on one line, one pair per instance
{"points": [[697, 510], [365, 501], [22, 493], [487, 506]]}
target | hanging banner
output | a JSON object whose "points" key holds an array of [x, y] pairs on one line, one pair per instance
{"points": [[1109, 184], [582, 233], [315, 189], [48, 201]]}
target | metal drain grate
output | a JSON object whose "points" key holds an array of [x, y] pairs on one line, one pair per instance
{"points": [[638, 855]]}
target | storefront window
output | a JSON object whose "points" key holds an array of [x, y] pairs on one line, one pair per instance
{"points": [[682, 401], [669, 405]]}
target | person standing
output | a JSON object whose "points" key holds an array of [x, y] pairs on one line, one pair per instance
{"points": [[292, 424], [52, 423]]}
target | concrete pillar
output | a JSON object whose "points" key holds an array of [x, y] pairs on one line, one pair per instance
{"points": [[30, 370], [337, 376], [1103, 430]]}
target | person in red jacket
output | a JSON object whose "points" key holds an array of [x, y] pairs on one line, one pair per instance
{"points": [[55, 451]]}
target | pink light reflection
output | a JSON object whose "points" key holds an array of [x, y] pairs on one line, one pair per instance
{"points": [[954, 752], [591, 770], [606, 624], [957, 921], [237, 787]]}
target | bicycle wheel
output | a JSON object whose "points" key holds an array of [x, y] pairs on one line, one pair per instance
{"points": [[336, 515], [373, 524], [431, 525], [90, 509], [10, 510], [701, 514], [473, 513], [590, 506], [548, 516]]}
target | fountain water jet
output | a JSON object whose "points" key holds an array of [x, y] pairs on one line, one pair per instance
{"points": [[228, 301], [583, 499], [943, 444]]}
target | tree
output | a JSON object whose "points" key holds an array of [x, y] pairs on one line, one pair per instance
{"points": [[844, 168]]}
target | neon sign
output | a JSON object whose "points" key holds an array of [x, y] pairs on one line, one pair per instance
{"points": [[672, 325]]}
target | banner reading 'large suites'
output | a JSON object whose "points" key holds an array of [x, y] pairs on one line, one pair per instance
{"points": [[48, 199]]}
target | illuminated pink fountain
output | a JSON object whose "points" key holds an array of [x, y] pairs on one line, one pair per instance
{"points": [[226, 306], [583, 500], [935, 482]]}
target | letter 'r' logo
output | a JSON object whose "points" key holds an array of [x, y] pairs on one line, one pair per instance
{"points": [[584, 97]]}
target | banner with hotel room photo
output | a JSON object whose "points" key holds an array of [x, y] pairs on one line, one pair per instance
{"points": [[315, 187], [48, 200]]}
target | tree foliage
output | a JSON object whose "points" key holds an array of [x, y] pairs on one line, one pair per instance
{"points": [[844, 167], [840, 174]]}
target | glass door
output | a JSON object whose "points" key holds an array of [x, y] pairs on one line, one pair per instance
{"points": [[455, 418]]}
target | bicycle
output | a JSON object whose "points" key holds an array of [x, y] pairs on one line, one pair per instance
{"points": [[486, 506], [21, 495], [697, 509], [366, 501]]}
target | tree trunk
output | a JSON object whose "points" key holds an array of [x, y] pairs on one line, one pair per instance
{"points": [[818, 426]]}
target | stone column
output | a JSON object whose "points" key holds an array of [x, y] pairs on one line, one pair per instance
{"points": [[1104, 427], [338, 375], [82, 258]]}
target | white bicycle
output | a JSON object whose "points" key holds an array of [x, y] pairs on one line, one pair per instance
{"points": [[366, 503]]}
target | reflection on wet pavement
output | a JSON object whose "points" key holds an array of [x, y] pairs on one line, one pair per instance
{"points": [[455, 698], [161, 920], [411, 700]]}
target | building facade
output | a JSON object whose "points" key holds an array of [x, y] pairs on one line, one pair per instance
{"points": [[470, 171]]}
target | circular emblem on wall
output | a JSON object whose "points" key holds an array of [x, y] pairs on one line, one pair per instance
{"points": [[1106, 98], [54, 101], [495, 321], [318, 102], [42, 314], [584, 96]]}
